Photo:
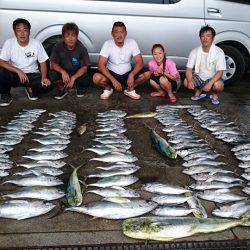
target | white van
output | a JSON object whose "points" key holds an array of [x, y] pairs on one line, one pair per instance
{"points": [[173, 23]]}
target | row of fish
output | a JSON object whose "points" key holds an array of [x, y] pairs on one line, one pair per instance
{"points": [[14, 133], [202, 165], [115, 173], [39, 176]]}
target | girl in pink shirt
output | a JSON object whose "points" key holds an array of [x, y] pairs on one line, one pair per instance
{"points": [[163, 74]]}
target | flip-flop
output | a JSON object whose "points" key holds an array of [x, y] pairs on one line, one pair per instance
{"points": [[199, 97], [214, 101], [172, 100]]}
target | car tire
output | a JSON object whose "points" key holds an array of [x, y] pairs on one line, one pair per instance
{"points": [[236, 64], [50, 42]]}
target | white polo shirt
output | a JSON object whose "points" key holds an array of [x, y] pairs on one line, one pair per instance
{"points": [[24, 58], [119, 59]]}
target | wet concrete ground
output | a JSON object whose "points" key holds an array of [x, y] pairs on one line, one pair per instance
{"points": [[78, 229]]}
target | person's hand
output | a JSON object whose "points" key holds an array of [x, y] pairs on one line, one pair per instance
{"points": [[22, 76], [46, 82], [117, 85], [130, 81], [159, 71], [65, 77], [71, 82]]}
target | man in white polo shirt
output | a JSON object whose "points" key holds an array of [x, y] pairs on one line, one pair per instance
{"points": [[209, 63], [18, 64], [115, 67]]}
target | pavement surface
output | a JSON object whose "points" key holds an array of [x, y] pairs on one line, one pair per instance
{"points": [[71, 228]]}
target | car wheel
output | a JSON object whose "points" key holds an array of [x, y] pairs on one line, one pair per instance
{"points": [[50, 42], [235, 64]]}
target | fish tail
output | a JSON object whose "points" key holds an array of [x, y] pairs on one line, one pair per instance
{"points": [[245, 219], [61, 208]]}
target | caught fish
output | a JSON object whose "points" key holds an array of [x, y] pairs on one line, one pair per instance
{"points": [[114, 172], [170, 199], [235, 210], [119, 180], [81, 129], [23, 209], [54, 164], [74, 193], [55, 147], [41, 193], [43, 180], [174, 211], [164, 188], [115, 191], [116, 157], [115, 210], [162, 146], [220, 196], [168, 229], [50, 141], [213, 185], [142, 115], [41, 171], [46, 156]]}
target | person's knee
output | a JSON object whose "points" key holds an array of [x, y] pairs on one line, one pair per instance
{"points": [[97, 78], [164, 82], [218, 86]]}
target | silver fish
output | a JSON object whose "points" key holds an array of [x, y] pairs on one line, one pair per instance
{"points": [[113, 210], [164, 188], [115, 191], [235, 210], [114, 172], [115, 157], [22, 209], [173, 211], [220, 195], [43, 180], [213, 185], [53, 147], [170, 199], [46, 155], [41, 193], [41, 171], [119, 180]]}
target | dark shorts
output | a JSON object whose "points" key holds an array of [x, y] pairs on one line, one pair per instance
{"points": [[199, 83], [157, 80], [123, 78]]}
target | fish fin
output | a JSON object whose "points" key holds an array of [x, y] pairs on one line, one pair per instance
{"points": [[94, 218], [2, 198]]}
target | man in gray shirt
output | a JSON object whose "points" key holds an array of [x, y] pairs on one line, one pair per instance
{"points": [[70, 61]]}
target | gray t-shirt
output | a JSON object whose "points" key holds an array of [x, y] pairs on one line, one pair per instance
{"points": [[70, 60]]}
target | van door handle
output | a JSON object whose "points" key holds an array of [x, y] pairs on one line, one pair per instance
{"points": [[213, 11]]}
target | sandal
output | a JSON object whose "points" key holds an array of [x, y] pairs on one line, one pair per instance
{"points": [[198, 97], [173, 100], [157, 94], [214, 101]]}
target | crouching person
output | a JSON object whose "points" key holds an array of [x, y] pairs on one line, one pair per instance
{"points": [[209, 63], [18, 64], [70, 61]]}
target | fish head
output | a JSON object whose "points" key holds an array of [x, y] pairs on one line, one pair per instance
{"points": [[140, 229]]}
